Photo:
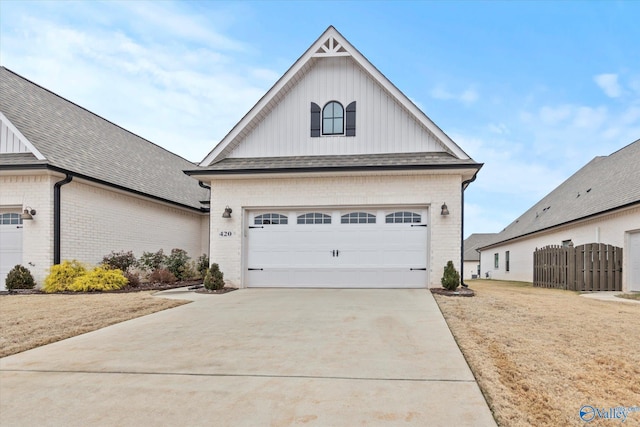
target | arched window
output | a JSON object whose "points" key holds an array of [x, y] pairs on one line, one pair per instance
{"points": [[333, 119], [270, 218], [358, 218], [314, 218], [402, 217]]}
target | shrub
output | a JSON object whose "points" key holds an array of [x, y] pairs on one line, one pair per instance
{"points": [[119, 260], [162, 275], [133, 278], [178, 263], [152, 261], [19, 278], [61, 276], [202, 265], [214, 279], [99, 279], [451, 278]]}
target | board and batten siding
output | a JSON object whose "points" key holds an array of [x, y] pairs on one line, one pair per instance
{"points": [[10, 142], [383, 125]]}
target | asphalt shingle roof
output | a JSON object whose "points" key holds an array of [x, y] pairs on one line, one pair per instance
{"points": [[77, 140], [604, 184], [475, 241], [390, 160]]}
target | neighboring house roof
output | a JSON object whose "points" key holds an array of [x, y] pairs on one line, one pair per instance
{"points": [[394, 161], [329, 45], [605, 184], [72, 139], [475, 241]]}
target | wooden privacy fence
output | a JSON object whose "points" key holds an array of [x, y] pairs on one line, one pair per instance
{"points": [[590, 267]]}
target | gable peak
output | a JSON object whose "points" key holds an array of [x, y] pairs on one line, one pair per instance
{"points": [[331, 46]]}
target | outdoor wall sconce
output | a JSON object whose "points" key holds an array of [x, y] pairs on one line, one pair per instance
{"points": [[227, 212], [28, 213], [445, 210]]}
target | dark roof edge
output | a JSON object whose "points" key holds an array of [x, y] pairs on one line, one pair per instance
{"points": [[637, 202], [476, 166], [96, 115], [37, 166]]}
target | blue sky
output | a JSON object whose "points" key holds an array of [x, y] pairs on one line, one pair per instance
{"points": [[534, 90]]}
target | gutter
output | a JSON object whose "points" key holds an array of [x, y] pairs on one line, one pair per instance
{"points": [[562, 224], [464, 185], [56, 217], [202, 172], [36, 166]]}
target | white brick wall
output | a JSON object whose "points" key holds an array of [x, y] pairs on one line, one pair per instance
{"points": [[609, 229], [97, 220], [337, 191], [37, 235]]}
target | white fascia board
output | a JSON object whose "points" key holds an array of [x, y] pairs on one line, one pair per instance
{"points": [[23, 139]]}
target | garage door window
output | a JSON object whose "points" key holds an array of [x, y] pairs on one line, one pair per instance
{"points": [[358, 218], [404, 216], [314, 218], [270, 218], [10, 219]]}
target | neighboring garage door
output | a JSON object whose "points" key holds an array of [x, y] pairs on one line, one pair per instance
{"points": [[634, 261], [357, 248], [10, 244]]}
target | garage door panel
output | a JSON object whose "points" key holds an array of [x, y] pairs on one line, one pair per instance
{"points": [[10, 250], [352, 255]]}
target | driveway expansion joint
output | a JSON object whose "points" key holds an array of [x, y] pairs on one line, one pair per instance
{"points": [[187, 374]]}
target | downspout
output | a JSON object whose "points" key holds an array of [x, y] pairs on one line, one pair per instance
{"points": [[206, 187], [465, 184], [56, 217]]}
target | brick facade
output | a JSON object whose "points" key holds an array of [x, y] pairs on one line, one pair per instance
{"points": [[96, 220], [426, 190]]}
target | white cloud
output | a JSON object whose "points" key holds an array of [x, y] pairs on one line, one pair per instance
{"points": [[466, 97], [553, 115], [609, 84], [499, 128], [181, 95]]}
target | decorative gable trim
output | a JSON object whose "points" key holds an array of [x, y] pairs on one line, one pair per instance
{"points": [[330, 43], [331, 47], [13, 141]]}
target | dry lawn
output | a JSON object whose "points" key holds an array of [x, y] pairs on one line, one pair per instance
{"points": [[28, 321], [540, 354]]}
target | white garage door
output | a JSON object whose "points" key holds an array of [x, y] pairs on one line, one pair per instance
{"points": [[10, 244], [359, 248], [634, 261]]}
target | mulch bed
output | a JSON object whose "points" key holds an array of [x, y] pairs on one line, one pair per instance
{"points": [[460, 292], [140, 288]]}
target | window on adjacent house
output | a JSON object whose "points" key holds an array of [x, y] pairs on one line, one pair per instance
{"points": [[398, 217], [358, 218], [567, 243], [333, 119], [314, 218], [496, 261], [506, 260], [270, 218]]}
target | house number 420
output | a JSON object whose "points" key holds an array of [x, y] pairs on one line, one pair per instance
{"points": [[226, 233]]}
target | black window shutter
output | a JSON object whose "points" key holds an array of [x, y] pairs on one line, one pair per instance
{"points": [[351, 119], [315, 120]]}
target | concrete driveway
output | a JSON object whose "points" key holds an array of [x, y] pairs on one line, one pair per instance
{"points": [[254, 357]]}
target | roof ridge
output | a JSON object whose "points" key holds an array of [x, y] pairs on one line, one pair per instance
{"points": [[92, 113]]}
